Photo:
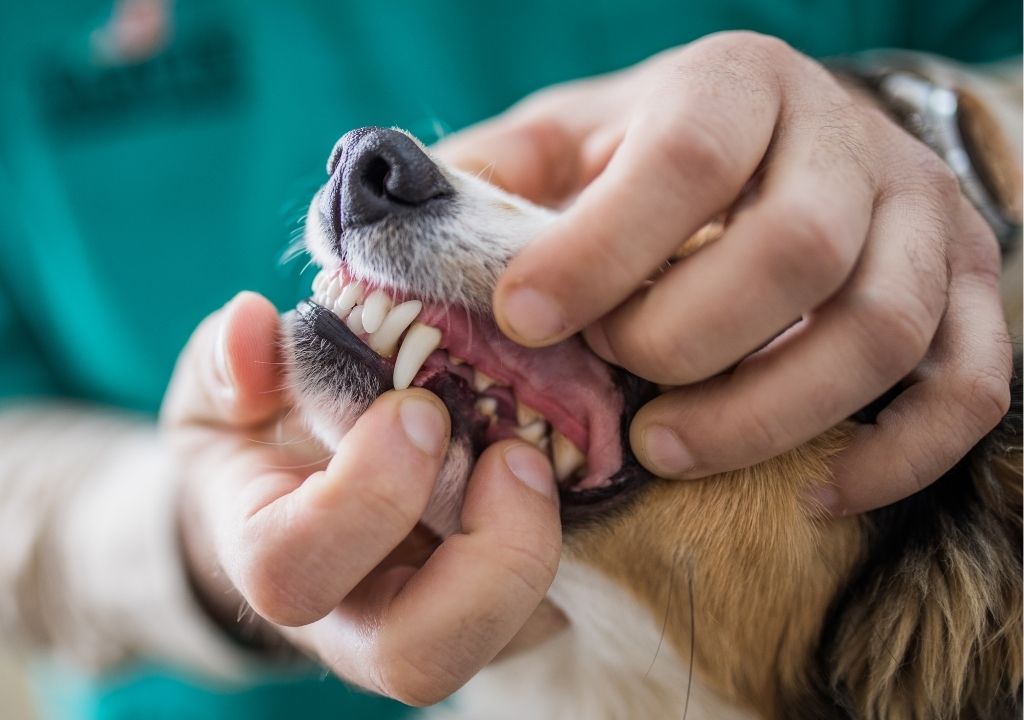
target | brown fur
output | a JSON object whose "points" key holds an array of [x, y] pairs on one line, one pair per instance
{"points": [[762, 570], [931, 629]]}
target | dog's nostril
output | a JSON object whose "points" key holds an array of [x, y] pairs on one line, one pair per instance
{"points": [[375, 176], [382, 173]]}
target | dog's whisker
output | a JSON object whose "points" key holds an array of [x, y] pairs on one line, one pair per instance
{"points": [[300, 466]]}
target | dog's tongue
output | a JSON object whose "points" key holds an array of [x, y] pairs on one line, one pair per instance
{"points": [[565, 382]]}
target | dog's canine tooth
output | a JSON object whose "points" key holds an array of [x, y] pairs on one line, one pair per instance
{"points": [[419, 342], [355, 320], [482, 381], [385, 339], [375, 309], [348, 298], [566, 457], [526, 415], [533, 433], [455, 360]]}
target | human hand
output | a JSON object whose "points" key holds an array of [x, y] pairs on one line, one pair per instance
{"points": [[851, 263], [328, 549]]}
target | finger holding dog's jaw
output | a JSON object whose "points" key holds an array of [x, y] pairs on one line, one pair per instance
{"points": [[957, 395], [418, 634], [300, 554], [819, 372], [692, 143]]}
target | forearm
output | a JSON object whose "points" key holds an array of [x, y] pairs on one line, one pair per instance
{"points": [[89, 561]]}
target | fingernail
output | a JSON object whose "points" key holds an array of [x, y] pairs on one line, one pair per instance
{"points": [[220, 357], [423, 424], [666, 451], [531, 469], [533, 316]]}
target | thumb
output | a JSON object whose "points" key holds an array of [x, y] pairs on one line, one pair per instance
{"points": [[536, 158], [229, 373]]}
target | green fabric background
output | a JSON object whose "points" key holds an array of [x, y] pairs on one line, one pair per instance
{"points": [[119, 232]]}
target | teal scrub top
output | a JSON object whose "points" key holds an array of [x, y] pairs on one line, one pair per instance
{"points": [[135, 200]]}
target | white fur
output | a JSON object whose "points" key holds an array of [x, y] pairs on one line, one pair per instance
{"points": [[610, 664]]}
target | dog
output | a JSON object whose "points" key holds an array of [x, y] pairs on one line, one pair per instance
{"points": [[730, 597]]}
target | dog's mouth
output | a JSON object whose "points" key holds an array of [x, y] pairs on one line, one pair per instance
{"points": [[562, 399]]}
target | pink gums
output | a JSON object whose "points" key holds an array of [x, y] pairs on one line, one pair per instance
{"points": [[566, 383]]}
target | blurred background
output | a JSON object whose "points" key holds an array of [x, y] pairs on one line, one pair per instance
{"points": [[16, 703]]}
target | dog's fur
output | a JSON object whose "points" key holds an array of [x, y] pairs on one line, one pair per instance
{"points": [[729, 597]]}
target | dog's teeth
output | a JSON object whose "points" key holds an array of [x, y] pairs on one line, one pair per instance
{"points": [[419, 342], [331, 290], [533, 433], [526, 415], [319, 282], [385, 340], [488, 406], [455, 360], [339, 309], [355, 321], [482, 381], [375, 309], [566, 457], [348, 298]]}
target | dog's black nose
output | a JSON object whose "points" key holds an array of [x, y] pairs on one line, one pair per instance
{"points": [[382, 172]]}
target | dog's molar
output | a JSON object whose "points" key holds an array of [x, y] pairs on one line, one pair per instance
{"points": [[566, 457], [534, 432], [385, 339], [526, 415], [420, 341], [375, 309]]}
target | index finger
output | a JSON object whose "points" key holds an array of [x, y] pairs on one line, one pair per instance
{"points": [[689, 150]]}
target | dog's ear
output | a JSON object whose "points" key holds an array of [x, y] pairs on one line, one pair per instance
{"points": [[930, 625]]}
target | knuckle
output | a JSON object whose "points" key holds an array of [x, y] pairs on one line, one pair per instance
{"points": [[986, 397], [813, 252], [758, 46], [412, 681], [534, 566], [268, 588], [898, 327], [381, 499], [695, 150], [768, 47], [943, 182], [664, 354], [762, 436]]}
